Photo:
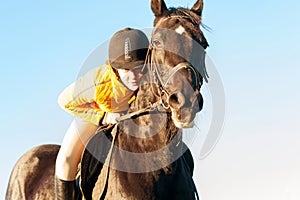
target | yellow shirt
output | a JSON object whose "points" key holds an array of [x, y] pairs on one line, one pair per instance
{"points": [[95, 93]]}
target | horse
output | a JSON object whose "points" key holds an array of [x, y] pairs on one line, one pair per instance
{"points": [[144, 156]]}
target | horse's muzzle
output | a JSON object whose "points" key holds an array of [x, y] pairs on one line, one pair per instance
{"points": [[184, 110]]}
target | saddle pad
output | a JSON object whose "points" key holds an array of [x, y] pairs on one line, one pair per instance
{"points": [[93, 158], [95, 155]]}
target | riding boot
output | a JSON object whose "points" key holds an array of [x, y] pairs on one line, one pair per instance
{"points": [[65, 190]]}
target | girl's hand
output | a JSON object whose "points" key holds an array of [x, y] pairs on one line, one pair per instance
{"points": [[110, 118]]}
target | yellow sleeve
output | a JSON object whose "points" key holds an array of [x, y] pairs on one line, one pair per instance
{"points": [[79, 98]]}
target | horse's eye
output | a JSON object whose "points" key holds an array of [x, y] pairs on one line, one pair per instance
{"points": [[156, 43]]}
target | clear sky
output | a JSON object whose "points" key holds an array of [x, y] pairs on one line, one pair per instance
{"points": [[254, 45]]}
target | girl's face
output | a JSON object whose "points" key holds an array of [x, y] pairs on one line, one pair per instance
{"points": [[131, 78]]}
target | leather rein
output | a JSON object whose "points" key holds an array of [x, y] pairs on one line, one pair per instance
{"points": [[159, 105]]}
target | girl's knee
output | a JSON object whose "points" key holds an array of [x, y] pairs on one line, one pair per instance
{"points": [[66, 167]]}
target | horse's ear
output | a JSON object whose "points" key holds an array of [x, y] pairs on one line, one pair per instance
{"points": [[158, 7], [198, 7]]}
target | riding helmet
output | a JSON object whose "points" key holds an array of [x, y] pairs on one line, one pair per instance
{"points": [[128, 48]]}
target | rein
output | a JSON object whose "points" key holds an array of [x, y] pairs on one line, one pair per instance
{"points": [[155, 77], [152, 107]]}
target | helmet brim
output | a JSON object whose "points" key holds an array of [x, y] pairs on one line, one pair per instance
{"points": [[127, 65]]}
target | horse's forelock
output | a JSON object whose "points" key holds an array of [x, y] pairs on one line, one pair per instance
{"points": [[186, 13], [190, 21]]}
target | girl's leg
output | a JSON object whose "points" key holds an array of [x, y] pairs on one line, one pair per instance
{"points": [[69, 156], [72, 147]]}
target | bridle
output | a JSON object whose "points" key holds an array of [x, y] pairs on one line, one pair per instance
{"points": [[155, 75], [156, 78]]}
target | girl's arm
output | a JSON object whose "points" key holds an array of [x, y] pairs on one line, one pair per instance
{"points": [[79, 98]]}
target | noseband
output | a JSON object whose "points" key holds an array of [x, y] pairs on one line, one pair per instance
{"points": [[157, 78]]}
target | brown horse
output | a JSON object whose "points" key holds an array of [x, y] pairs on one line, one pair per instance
{"points": [[144, 155]]}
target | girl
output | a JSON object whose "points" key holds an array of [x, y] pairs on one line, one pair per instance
{"points": [[98, 98]]}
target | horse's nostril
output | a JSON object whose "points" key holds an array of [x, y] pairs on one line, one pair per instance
{"points": [[176, 100]]}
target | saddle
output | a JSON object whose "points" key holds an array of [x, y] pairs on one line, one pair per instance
{"points": [[92, 173]]}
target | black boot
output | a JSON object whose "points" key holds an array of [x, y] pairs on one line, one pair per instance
{"points": [[64, 190]]}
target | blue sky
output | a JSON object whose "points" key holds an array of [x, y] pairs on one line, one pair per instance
{"points": [[254, 45]]}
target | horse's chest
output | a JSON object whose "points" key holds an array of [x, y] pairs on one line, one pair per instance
{"points": [[123, 186]]}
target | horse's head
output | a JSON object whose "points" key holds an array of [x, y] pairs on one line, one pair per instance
{"points": [[178, 59]]}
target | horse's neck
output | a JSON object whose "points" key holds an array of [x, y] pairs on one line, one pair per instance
{"points": [[150, 131], [145, 97], [149, 121]]}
